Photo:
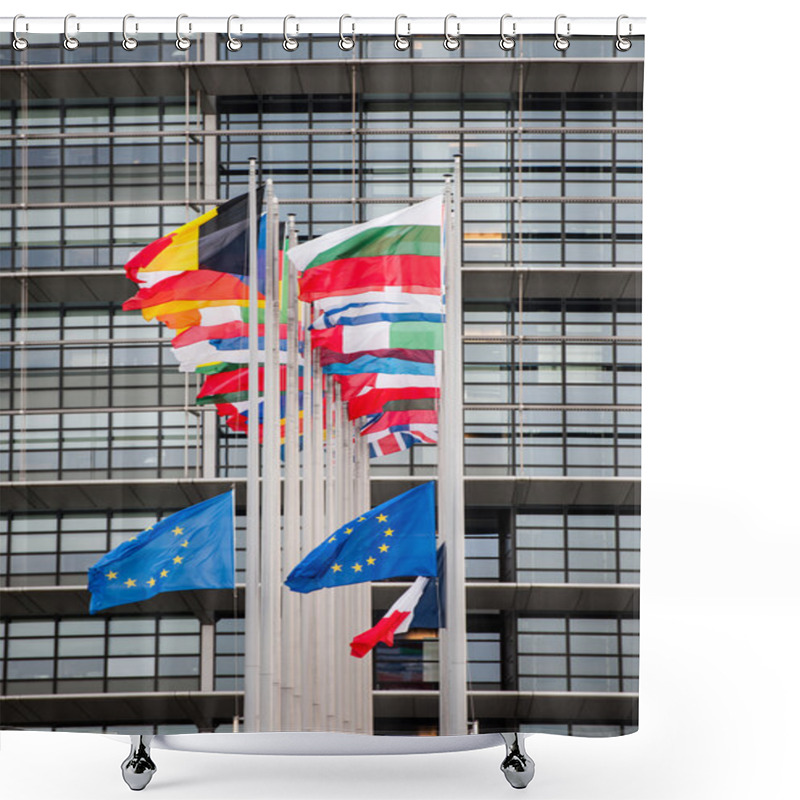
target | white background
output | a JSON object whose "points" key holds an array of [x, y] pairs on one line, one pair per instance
{"points": [[719, 702]]}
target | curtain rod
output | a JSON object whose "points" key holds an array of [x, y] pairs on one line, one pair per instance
{"points": [[451, 27]]}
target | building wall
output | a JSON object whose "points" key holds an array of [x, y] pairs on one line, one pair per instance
{"points": [[552, 349]]}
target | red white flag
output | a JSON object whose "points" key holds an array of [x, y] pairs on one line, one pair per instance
{"points": [[396, 620]]}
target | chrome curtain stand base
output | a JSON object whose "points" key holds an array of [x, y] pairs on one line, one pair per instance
{"points": [[138, 768], [517, 766]]}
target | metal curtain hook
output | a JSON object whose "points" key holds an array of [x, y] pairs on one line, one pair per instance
{"points": [[401, 42], [346, 42], [181, 42], [560, 43], [507, 42], [233, 44], [623, 44], [70, 42], [128, 42], [18, 43], [451, 42], [289, 44]]}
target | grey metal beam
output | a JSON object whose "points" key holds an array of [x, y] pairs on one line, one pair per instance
{"points": [[325, 76], [489, 282], [543, 707], [132, 494], [596, 600], [164, 707]]}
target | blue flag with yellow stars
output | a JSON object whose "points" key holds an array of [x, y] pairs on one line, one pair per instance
{"points": [[393, 540], [192, 549]]}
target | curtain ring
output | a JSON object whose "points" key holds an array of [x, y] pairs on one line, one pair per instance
{"points": [[401, 42], [233, 44], [346, 42], [70, 42], [289, 44], [623, 44], [181, 42], [128, 42], [451, 42], [507, 42], [18, 43], [560, 42]]}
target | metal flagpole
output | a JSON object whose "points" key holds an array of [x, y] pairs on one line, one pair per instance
{"points": [[362, 503], [345, 600], [317, 651], [271, 578], [453, 638], [333, 689], [311, 479], [291, 621], [252, 627]]}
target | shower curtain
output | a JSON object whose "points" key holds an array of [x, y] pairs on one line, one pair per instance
{"points": [[499, 173]]}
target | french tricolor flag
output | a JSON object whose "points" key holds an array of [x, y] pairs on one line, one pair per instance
{"points": [[405, 613]]}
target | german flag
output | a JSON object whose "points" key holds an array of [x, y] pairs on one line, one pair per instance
{"points": [[218, 241]]}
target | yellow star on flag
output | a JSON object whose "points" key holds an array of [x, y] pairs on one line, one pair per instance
{"points": [[382, 518], [348, 531], [361, 519], [164, 573], [151, 582], [132, 539], [332, 539], [185, 543], [383, 548], [357, 567], [177, 531], [177, 560], [130, 582], [371, 560], [337, 567], [388, 532], [111, 575]]}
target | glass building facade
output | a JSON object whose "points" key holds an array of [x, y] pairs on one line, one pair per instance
{"points": [[103, 151]]}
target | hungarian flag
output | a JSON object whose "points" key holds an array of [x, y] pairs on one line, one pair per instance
{"points": [[401, 250], [398, 619]]}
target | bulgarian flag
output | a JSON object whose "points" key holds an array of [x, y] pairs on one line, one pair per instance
{"points": [[398, 619], [400, 250]]}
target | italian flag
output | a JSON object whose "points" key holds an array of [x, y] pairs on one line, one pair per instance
{"points": [[380, 336], [400, 250], [396, 620]]}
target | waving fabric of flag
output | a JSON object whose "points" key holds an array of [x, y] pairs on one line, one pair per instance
{"points": [[216, 241], [192, 549], [417, 607], [376, 291], [395, 539]]}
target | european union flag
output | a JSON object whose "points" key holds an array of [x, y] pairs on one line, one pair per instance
{"points": [[392, 540], [192, 549]]}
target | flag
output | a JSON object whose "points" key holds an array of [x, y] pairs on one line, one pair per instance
{"points": [[398, 619], [393, 431], [401, 250], [192, 549], [369, 364], [369, 307], [380, 336], [392, 540], [217, 240]]}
